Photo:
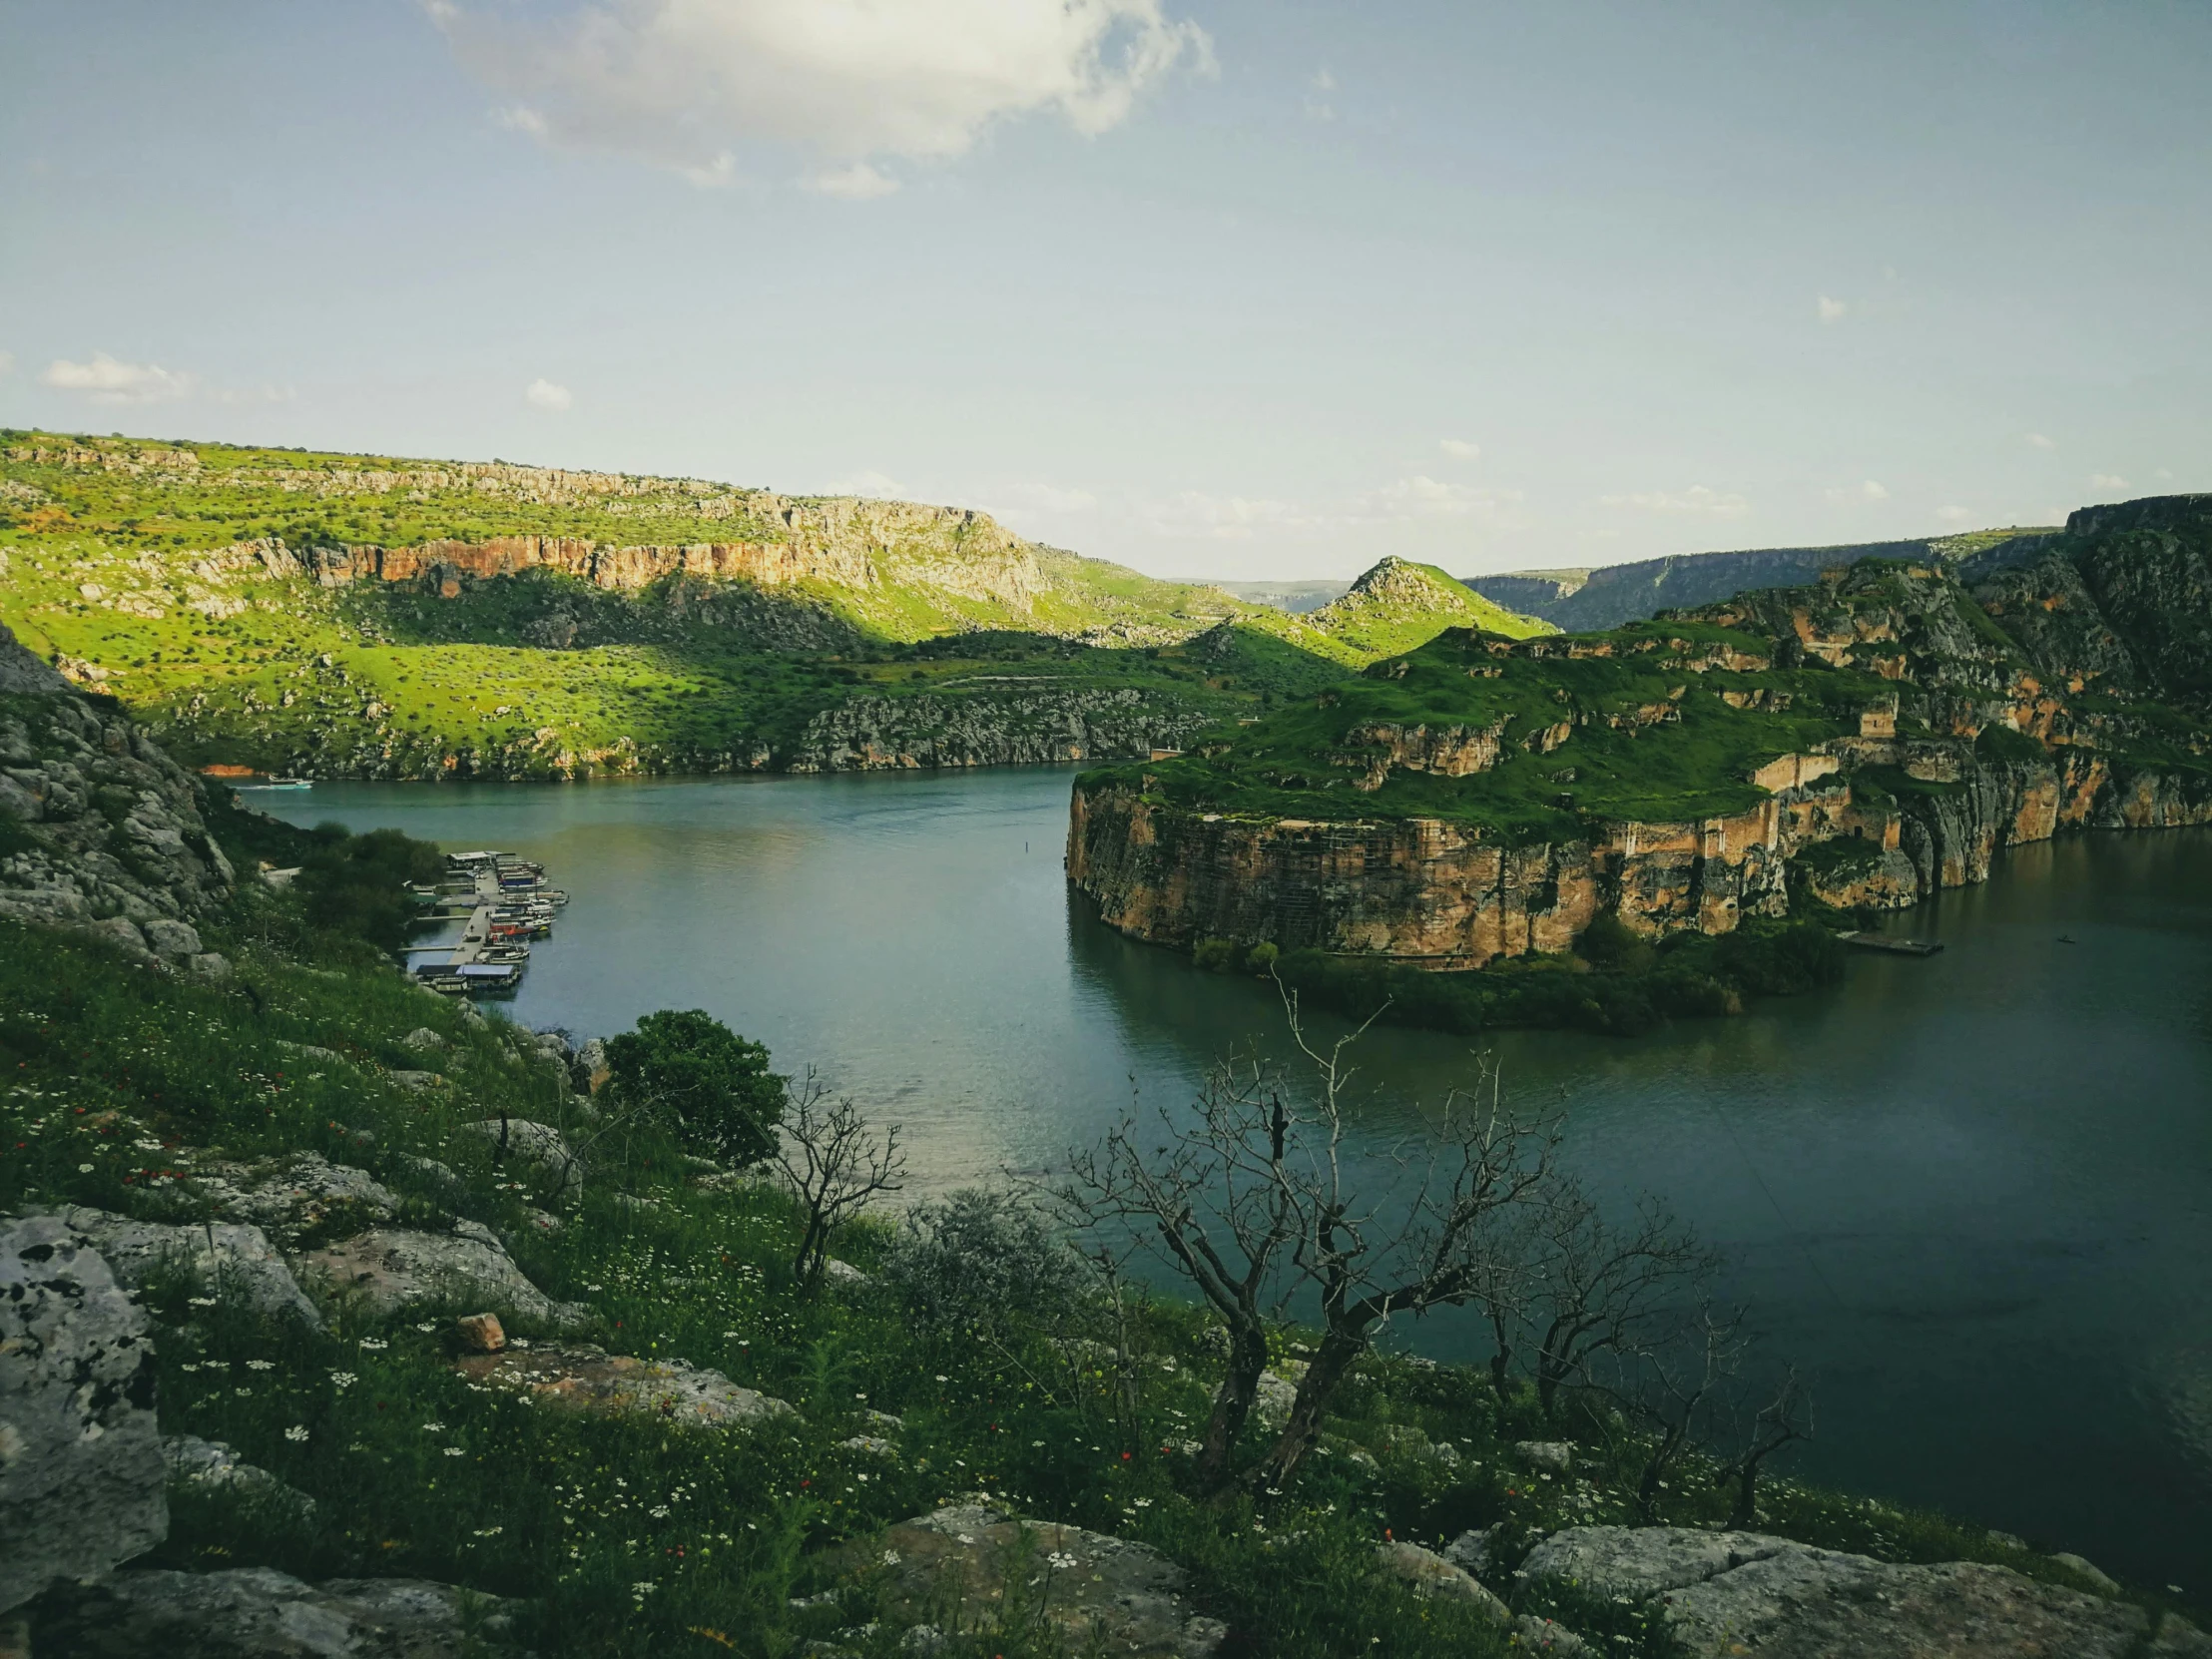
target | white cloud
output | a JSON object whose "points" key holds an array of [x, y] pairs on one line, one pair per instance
{"points": [[1403, 501], [1831, 311], [681, 83], [857, 183], [7, 361], [1423, 497], [2108, 482], [1460, 449], [1039, 498], [264, 394], [546, 396], [1954, 515], [1870, 490], [875, 486], [105, 380], [1317, 106], [2037, 440], [1697, 499]]}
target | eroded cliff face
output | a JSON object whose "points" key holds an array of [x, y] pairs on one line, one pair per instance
{"points": [[1438, 894], [896, 734]]}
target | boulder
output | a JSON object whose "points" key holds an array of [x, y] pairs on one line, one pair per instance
{"points": [[1555, 1456], [209, 964], [416, 1082], [590, 1068], [1428, 1574], [297, 1198], [1272, 1404], [480, 1332], [1470, 1551], [423, 1040], [260, 1614], [231, 1261], [1095, 1593], [81, 1477], [1726, 1593], [583, 1378], [210, 1464], [391, 1269], [2098, 1579], [174, 939], [534, 1146], [23, 671]]}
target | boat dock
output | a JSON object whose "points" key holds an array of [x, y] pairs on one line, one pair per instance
{"points": [[1895, 946], [505, 901]]}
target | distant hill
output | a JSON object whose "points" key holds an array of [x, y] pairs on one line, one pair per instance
{"points": [[1582, 600], [1295, 596]]}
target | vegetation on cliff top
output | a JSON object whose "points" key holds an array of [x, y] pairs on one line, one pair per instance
{"points": [[170, 575]]}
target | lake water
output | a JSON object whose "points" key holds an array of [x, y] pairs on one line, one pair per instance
{"points": [[1973, 1193]]}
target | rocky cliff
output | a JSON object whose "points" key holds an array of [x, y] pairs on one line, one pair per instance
{"points": [[1862, 742]]}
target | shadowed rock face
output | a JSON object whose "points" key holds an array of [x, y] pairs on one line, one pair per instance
{"points": [[260, 1614], [22, 671], [1728, 1593], [81, 1471], [1097, 1593]]}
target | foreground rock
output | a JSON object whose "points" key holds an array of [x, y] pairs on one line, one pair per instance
{"points": [[390, 1271], [259, 1613], [1426, 1573], [298, 1199], [231, 1261], [588, 1378], [1731, 1593], [1098, 1594], [81, 1477], [537, 1147], [212, 1465]]}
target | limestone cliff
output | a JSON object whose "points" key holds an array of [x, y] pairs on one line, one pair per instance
{"points": [[1863, 741]]}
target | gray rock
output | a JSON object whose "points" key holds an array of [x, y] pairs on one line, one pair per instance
{"points": [[23, 672], [172, 938], [870, 1444], [534, 1146], [1272, 1404], [122, 933], [209, 964], [1729, 1594], [1428, 1574], [2095, 1575], [590, 1067], [1556, 1457], [260, 1614], [295, 1198], [231, 1261], [2177, 1639], [416, 1082], [81, 1479], [1470, 1551], [210, 1464], [583, 1378], [1534, 1635], [422, 1039], [1100, 1594], [390, 1271], [844, 1272]]}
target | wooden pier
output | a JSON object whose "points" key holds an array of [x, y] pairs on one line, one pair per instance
{"points": [[1895, 946], [505, 901]]}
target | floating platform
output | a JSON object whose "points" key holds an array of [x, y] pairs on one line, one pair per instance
{"points": [[1895, 946]]}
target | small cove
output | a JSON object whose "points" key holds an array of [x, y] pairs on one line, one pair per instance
{"points": [[1973, 1193]]}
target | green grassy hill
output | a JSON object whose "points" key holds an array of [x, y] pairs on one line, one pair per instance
{"points": [[375, 616]]}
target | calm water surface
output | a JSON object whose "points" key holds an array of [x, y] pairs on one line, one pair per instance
{"points": [[1973, 1193]]}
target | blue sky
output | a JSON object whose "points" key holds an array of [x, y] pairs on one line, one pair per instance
{"points": [[1214, 288]]}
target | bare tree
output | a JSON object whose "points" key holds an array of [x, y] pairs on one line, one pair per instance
{"points": [[834, 1168], [1219, 1194], [1256, 1200], [1604, 1291], [1673, 1392], [1786, 1417]]}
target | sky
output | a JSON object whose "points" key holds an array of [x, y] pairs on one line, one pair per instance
{"points": [[1214, 288]]}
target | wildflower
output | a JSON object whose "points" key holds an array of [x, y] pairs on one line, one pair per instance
{"points": [[433, 1428], [375, 1343], [489, 1531], [343, 1378], [260, 1364], [643, 1587], [455, 1452], [1060, 1559], [84, 1169], [296, 1433], [427, 1326], [891, 1558], [242, 1394]]}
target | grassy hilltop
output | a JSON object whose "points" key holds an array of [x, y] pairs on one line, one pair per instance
{"points": [[229, 597]]}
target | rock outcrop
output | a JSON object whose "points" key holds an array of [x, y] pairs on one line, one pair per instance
{"points": [[586, 1379], [871, 733], [107, 828], [389, 1270], [1090, 1591], [81, 1470], [260, 1614], [1721, 1594], [229, 1260]]}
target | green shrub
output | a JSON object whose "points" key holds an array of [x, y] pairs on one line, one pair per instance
{"points": [[710, 1086], [1214, 955], [1261, 958], [980, 1261], [1609, 942]]}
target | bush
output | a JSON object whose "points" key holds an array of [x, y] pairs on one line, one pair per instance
{"points": [[1214, 955], [356, 884], [1261, 958], [709, 1086], [981, 1261], [1610, 943]]}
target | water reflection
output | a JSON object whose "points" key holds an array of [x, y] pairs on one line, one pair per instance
{"points": [[1973, 1193]]}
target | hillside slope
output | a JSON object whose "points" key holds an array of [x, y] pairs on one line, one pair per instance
{"points": [[1856, 743], [347, 616], [1609, 595]]}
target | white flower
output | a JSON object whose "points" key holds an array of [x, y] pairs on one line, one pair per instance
{"points": [[260, 1364], [427, 1326], [375, 1343], [202, 1300], [84, 1169], [343, 1378], [1141, 1502], [455, 1452], [433, 1428], [296, 1432], [891, 1558], [1060, 1559], [643, 1587]]}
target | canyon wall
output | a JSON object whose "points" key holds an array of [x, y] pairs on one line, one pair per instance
{"points": [[1438, 894]]}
